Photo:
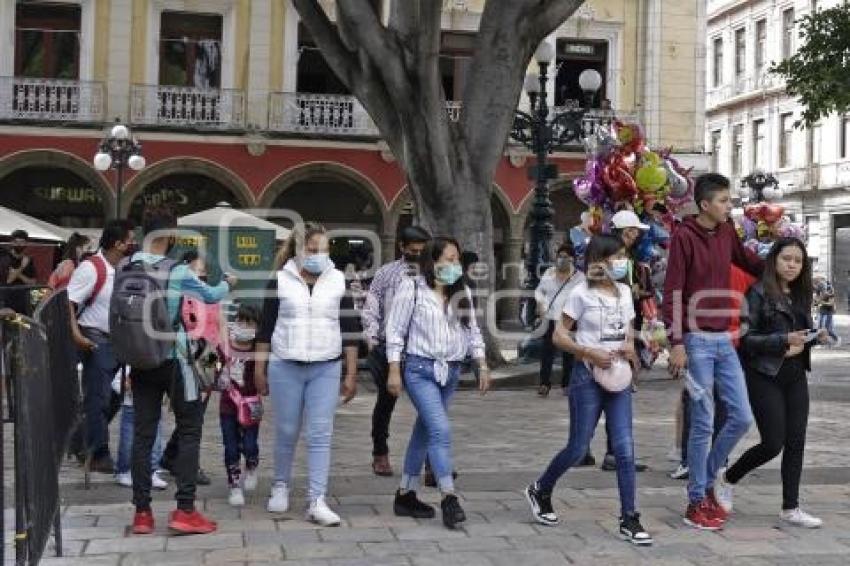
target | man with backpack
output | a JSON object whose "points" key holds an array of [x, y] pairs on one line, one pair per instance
{"points": [[149, 336], [89, 293]]}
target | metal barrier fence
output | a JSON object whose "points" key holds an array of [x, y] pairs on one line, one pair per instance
{"points": [[38, 371]]}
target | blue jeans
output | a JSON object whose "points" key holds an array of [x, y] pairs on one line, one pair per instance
{"points": [[99, 367], [825, 320], [238, 441], [714, 366], [125, 441], [305, 393], [587, 401], [432, 431]]}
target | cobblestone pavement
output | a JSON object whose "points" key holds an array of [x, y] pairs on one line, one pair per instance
{"points": [[501, 442]]}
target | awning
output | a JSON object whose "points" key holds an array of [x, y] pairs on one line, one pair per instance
{"points": [[225, 216]]}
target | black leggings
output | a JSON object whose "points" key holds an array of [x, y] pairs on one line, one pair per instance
{"points": [[781, 409], [548, 350]]}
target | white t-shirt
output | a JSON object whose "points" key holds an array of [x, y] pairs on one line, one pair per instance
{"points": [[545, 294], [602, 321], [80, 288]]}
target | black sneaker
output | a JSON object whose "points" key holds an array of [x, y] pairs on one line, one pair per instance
{"points": [[541, 506], [609, 464], [588, 460], [408, 505], [452, 511], [632, 531]]}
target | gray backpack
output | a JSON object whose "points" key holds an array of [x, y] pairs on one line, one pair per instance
{"points": [[139, 305]]}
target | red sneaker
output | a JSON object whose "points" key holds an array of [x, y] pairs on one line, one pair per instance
{"points": [[143, 522], [700, 516], [186, 523], [714, 508]]}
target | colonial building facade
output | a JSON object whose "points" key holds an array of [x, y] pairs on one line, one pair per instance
{"points": [[750, 123], [232, 102]]}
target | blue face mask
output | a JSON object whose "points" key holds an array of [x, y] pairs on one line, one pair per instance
{"points": [[448, 273], [315, 264], [619, 269]]}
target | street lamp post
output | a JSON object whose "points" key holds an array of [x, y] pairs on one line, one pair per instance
{"points": [[763, 186], [117, 151], [542, 134]]}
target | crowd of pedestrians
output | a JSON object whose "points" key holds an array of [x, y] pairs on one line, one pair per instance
{"points": [[417, 322]]}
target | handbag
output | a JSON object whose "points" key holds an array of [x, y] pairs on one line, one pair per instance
{"points": [[249, 409], [614, 379]]}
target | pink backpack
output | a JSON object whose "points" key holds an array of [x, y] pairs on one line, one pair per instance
{"points": [[203, 321]]}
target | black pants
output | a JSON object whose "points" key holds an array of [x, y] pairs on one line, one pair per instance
{"points": [[385, 404], [547, 358], [148, 389], [172, 447], [781, 409]]}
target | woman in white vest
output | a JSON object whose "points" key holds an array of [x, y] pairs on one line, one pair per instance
{"points": [[308, 323]]}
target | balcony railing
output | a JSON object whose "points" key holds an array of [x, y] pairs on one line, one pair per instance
{"points": [[187, 107], [743, 87], [54, 100], [329, 114]]}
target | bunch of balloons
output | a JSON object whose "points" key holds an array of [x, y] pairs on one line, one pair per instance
{"points": [[762, 223], [622, 171]]}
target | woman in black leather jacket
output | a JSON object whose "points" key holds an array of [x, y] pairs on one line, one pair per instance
{"points": [[776, 349]]}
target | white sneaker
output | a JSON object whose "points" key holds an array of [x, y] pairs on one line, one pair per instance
{"points": [[800, 518], [125, 479], [250, 482], [679, 473], [279, 499], [236, 498], [320, 513], [723, 492], [157, 482]]}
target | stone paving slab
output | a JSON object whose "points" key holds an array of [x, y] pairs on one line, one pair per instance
{"points": [[502, 442]]}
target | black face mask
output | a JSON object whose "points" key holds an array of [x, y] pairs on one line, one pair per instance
{"points": [[19, 250], [411, 258]]}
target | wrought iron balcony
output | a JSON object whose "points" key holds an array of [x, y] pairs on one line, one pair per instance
{"points": [[329, 114], [187, 107], [51, 100]]}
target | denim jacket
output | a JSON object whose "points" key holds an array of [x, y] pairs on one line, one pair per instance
{"points": [[765, 324]]}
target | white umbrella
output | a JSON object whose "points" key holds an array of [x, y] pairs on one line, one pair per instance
{"points": [[225, 216], [11, 220]]}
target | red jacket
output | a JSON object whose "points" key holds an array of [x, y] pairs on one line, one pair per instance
{"points": [[699, 262]]}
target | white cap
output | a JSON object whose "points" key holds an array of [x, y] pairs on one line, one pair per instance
{"points": [[628, 219]]}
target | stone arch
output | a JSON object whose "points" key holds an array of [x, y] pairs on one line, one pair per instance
{"points": [[57, 159], [339, 197], [187, 166], [566, 205]]}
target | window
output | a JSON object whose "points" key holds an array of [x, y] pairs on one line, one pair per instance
{"points": [[759, 145], [190, 49], [314, 74], [740, 52], [786, 138], [456, 51], [761, 44], [737, 149], [47, 40], [845, 137], [787, 33], [718, 62], [715, 150]]}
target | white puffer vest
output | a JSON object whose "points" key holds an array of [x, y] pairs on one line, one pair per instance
{"points": [[307, 327]]}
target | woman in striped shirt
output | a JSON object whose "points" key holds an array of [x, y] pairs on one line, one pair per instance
{"points": [[432, 324]]}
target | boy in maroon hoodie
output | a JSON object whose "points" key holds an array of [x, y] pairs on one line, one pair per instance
{"points": [[697, 308]]}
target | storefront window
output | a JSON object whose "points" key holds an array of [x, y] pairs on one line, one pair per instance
{"points": [[53, 194], [183, 193]]}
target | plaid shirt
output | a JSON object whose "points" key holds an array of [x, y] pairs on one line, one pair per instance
{"points": [[380, 297]]}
